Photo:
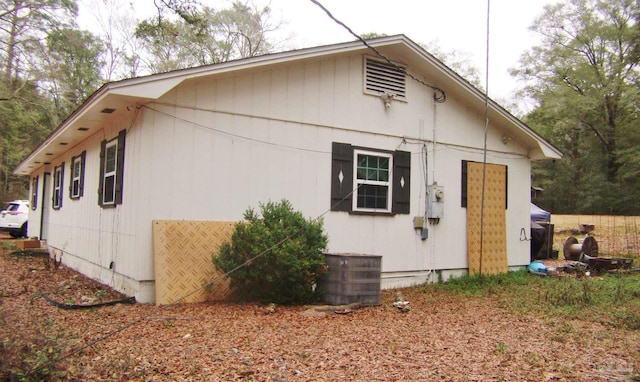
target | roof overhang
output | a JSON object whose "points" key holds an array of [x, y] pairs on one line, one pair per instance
{"points": [[421, 61], [114, 99]]}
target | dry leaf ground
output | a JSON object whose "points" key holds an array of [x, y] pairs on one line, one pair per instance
{"points": [[444, 337]]}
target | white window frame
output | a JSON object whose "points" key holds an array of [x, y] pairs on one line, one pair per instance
{"points": [[359, 182], [75, 178], [112, 199], [57, 187]]}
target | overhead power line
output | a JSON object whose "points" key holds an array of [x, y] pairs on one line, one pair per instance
{"points": [[438, 94]]}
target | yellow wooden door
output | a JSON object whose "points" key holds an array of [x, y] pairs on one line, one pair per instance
{"points": [[486, 246]]}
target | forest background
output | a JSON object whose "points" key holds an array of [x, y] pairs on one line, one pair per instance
{"points": [[582, 79]]}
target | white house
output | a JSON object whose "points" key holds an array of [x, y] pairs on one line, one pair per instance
{"points": [[387, 144]]}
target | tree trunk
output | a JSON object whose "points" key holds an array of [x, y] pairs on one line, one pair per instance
{"points": [[8, 74]]}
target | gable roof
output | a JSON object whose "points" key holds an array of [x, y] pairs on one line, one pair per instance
{"points": [[112, 99]]}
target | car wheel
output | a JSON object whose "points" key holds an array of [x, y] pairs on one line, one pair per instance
{"points": [[23, 229], [15, 234]]}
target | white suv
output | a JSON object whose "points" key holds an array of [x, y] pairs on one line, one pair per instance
{"points": [[14, 218]]}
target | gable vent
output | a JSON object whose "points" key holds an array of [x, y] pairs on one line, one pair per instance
{"points": [[381, 77]]}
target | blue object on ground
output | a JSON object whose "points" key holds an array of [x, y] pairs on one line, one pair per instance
{"points": [[538, 268]]}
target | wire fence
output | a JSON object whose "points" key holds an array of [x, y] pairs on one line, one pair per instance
{"points": [[617, 236]]}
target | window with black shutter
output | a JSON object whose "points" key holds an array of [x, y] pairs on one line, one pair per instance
{"points": [[76, 185], [365, 180], [111, 171], [58, 180]]}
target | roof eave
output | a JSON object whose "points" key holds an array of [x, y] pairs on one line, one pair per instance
{"points": [[539, 148], [81, 124], [152, 87]]}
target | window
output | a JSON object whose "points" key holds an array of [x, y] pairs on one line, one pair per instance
{"points": [[109, 176], [58, 178], [76, 186], [34, 193], [372, 183], [111, 170], [365, 180]]}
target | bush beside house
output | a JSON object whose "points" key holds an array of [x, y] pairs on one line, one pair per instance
{"points": [[275, 256]]}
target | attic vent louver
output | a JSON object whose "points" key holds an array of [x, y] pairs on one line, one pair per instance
{"points": [[382, 77]]}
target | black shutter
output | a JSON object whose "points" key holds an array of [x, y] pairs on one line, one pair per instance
{"points": [[53, 188], [34, 193], [73, 159], [82, 159], [61, 185], [463, 201], [103, 150], [120, 166], [401, 198], [341, 162]]}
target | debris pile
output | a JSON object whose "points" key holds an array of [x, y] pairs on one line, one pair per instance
{"points": [[401, 303]]}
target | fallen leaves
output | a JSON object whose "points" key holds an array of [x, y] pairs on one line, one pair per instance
{"points": [[443, 337]]}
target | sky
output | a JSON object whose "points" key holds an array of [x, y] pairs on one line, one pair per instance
{"points": [[459, 25]]}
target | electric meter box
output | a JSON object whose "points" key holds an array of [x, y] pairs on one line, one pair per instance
{"points": [[436, 201]]}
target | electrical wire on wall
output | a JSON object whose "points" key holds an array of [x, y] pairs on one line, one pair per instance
{"points": [[425, 153], [227, 133], [423, 160], [433, 176], [432, 258], [407, 139]]}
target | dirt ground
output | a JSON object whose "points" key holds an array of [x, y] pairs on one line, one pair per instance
{"points": [[443, 337]]}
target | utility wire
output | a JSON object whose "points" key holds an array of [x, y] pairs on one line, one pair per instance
{"points": [[486, 132], [184, 297], [232, 134], [404, 139], [438, 94]]}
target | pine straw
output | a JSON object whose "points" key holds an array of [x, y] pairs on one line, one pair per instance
{"points": [[443, 337]]}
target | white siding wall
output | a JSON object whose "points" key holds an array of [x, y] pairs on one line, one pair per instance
{"points": [[101, 242], [260, 136], [204, 169]]}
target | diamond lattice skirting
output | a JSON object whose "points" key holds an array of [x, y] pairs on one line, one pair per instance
{"points": [[182, 259]]}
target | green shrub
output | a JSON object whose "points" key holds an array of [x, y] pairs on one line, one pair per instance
{"points": [[282, 253]]}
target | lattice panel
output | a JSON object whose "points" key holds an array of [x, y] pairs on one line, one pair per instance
{"points": [[493, 258], [182, 259]]}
